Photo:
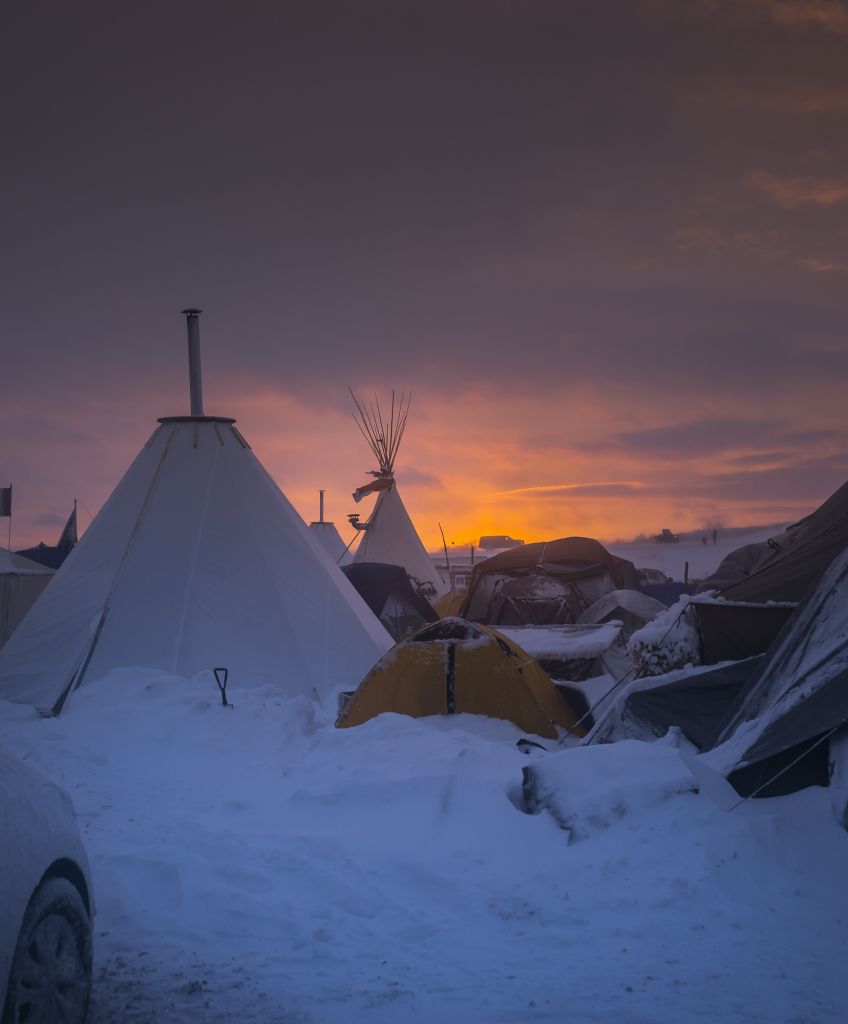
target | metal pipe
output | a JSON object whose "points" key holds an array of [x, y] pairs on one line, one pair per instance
{"points": [[194, 380], [321, 507]]}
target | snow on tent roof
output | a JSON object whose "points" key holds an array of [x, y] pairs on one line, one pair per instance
{"points": [[196, 560]]}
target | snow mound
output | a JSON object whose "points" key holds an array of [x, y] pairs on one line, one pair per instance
{"points": [[587, 789]]}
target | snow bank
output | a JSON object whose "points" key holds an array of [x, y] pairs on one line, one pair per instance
{"points": [[253, 864]]}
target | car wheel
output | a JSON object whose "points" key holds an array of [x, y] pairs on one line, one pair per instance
{"points": [[50, 979]]}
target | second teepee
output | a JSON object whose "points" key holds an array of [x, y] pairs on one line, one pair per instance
{"points": [[389, 535]]}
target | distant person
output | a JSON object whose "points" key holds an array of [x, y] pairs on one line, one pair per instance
{"points": [[704, 539], [715, 536]]}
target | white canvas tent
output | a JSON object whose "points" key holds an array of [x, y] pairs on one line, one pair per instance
{"points": [[389, 535], [327, 536], [21, 582], [197, 560]]}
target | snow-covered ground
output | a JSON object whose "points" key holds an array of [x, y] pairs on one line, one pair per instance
{"points": [[703, 558], [253, 864]]}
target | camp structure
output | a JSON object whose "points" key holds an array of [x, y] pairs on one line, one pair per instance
{"points": [[388, 535], [454, 667], [197, 560], [327, 535], [21, 582], [694, 700], [787, 566], [391, 597], [545, 583], [53, 556], [796, 701]]}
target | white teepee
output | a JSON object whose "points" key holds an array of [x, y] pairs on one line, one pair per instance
{"points": [[197, 560], [389, 534], [326, 534]]}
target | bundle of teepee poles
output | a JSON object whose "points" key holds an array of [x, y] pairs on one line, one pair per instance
{"points": [[382, 432]]}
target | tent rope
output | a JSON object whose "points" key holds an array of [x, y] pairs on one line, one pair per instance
{"points": [[791, 764]]}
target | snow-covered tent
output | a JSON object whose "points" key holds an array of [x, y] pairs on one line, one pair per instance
{"points": [[21, 582], [196, 560], [451, 667], [389, 535], [800, 695], [545, 583]]}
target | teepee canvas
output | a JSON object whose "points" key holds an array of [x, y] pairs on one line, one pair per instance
{"points": [[388, 535], [327, 536], [197, 560]]}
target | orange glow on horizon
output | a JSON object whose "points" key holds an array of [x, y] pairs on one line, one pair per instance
{"points": [[478, 464]]}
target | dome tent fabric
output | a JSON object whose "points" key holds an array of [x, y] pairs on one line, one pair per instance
{"points": [[453, 667], [196, 560], [545, 583]]}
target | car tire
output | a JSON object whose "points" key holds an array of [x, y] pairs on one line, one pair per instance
{"points": [[50, 978]]}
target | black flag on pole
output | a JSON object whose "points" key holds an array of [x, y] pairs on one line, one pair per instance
{"points": [[6, 500], [69, 533]]}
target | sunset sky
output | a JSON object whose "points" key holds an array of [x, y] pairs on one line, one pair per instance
{"points": [[604, 243]]}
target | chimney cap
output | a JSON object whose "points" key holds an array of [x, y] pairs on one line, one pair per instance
{"points": [[192, 312]]}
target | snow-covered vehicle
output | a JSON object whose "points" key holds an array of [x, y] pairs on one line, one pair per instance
{"points": [[46, 902]]}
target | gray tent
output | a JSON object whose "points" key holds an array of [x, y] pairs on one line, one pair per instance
{"points": [[545, 583], [786, 567], [801, 693]]}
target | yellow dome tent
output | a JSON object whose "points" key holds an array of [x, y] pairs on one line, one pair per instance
{"points": [[454, 666]]}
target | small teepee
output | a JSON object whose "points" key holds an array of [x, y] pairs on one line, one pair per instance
{"points": [[326, 534], [388, 535], [196, 561]]}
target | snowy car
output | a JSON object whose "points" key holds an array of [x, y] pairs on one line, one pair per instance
{"points": [[46, 904]]}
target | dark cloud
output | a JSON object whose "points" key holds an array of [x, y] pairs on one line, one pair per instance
{"points": [[409, 476], [813, 480], [699, 438], [643, 200]]}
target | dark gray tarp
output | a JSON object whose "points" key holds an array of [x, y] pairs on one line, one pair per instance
{"points": [[797, 557], [390, 595], [546, 583], [801, 691], [730, 631], [698, 705]]}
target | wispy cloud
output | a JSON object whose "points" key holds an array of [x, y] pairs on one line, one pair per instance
{"points": [[603, 489], [798, 191], [827, 15]]}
